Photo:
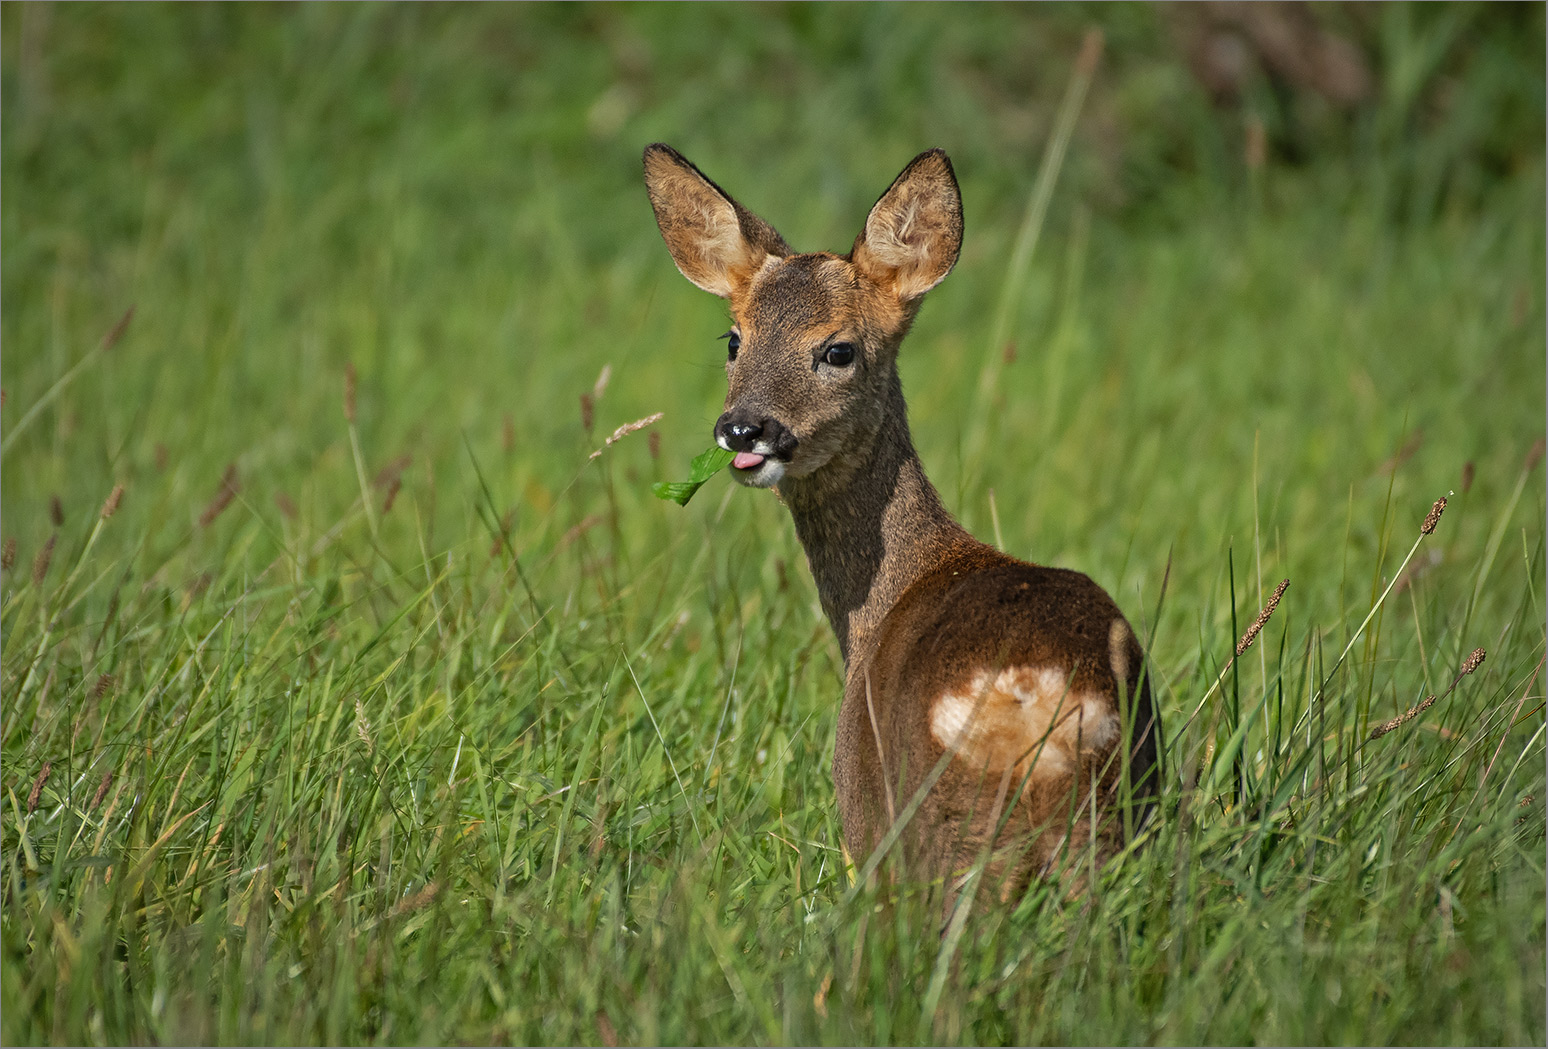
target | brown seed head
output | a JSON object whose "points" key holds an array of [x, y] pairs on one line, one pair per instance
{"points": [[56, 511], [117, 331], [1467, 476], [1255, 148], [287, 505], [100, 689], [1090, 53], [392, 471], [115, 497], [229, 486], [8, 556], [349, 392], [588, 411], [1263, 618], [37, 786], [1433, 517], [96, 799], [655, 444], [40, 563], [1474, 661], [1402, 719], [1535, 454]]}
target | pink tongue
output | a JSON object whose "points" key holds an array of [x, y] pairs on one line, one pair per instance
{"points": [[747, 460]]}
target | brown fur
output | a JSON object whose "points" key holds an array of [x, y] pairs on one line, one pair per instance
{"points": [[1018, 671]]}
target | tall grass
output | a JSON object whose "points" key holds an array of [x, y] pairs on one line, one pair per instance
{"points": [[378, 710]]}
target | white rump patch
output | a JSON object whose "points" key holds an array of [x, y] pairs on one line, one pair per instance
{"points": [[1023, 715]]}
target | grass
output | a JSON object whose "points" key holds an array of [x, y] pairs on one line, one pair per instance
{"points": [[396, 718]]}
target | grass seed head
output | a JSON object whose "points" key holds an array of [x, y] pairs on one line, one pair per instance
{"points": [[115, 497], [363, 727], [1474, 661], [40, 563], [588, 412], [56, 511], [626, 429], [1433, 517], [102, 789], [37, 786], [116, 332], [100, 689], [1535, 454], [229, 486], [8, 556], [349, 392], [1468, 469], [1263, 617], [287, 505]]}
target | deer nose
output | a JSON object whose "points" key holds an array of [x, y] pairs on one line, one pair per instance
{"points": [[739, 434]]}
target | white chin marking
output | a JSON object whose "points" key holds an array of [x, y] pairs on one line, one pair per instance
{"points": [[766, 475]]}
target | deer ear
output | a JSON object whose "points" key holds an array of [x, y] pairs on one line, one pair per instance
{"points": [[716, 243], [914, 232]]}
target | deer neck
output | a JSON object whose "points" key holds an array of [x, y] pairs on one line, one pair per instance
{"points": [[871, 525]]}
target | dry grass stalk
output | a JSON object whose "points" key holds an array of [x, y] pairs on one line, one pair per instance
{"points": [[1263, 617], [115, 497], [8, 556], [229, 486], [37, 786], [625, 430], [1472, 663], [1433, 517], [41, 562]]}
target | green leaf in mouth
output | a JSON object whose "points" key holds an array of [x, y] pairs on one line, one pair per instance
{"points": [[705, 465]]}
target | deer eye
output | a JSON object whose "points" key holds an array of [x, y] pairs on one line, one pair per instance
{"points": [[840, 354], [733, 343]]}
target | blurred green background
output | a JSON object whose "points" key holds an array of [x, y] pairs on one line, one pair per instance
{"points": [[1288, 290]]}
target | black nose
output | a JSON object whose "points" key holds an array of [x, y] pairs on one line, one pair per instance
{"points": [[739, 430], [740, 434]]}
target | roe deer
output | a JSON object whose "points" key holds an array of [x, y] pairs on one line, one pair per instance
{"points": [[999, 680]]}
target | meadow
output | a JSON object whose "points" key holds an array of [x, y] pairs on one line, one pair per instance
{"points": [[348, 697]]}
